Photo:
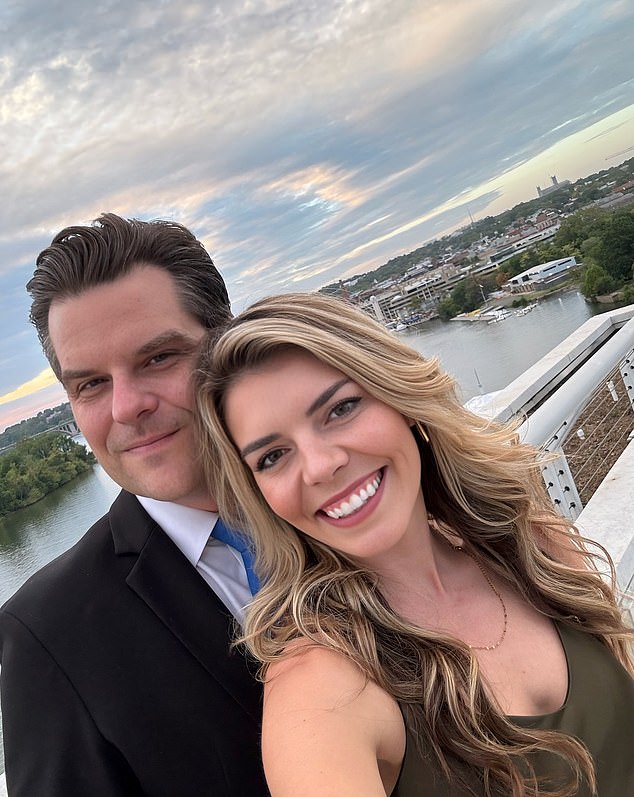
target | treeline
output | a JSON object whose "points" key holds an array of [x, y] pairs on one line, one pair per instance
{"points": [[37, 466], [44, 420], [605, 243], [602, 240]]}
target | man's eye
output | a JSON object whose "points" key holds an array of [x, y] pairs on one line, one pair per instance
{"points": [[269, 459], [345, 407], [159, 358], [86, 387]]}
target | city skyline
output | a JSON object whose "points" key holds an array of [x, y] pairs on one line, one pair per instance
{"points": [[301, 141]]}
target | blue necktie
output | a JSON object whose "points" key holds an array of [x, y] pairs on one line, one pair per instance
{"points": [[237, 541]]}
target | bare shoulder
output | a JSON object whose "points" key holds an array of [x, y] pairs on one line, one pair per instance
{"points": [[338, 729], [305, 662]]}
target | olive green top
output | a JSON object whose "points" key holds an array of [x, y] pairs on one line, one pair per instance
{"points": [[599, 710]]}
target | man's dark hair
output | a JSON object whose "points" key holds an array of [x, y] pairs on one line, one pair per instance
{"points": [[81, 257]]}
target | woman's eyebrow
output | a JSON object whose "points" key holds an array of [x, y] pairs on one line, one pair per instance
{"points": [[259, 443], [326, 396]]}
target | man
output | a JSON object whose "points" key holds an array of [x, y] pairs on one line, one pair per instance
{"points": [[117, 674]]}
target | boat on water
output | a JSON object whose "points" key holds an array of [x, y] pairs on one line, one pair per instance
{"points": [[495, 316], [409, 322], [527, 309], [396, 326], [492, 315]]}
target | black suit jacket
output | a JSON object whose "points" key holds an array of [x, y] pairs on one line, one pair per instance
{"points": [[117, 678]]}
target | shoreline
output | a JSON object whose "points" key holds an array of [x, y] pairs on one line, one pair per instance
{"points": [[12, 512]]}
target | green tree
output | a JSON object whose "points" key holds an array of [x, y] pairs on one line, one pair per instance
{"points": [[616, 253], [591, 248], [597, 281], [37, 466], [466, 295], [628, 293], [447, 309], [581, 225], [529, 258], [589, 194], [513, 266]]}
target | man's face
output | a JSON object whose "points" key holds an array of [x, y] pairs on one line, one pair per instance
{"points": [[126, 351]]}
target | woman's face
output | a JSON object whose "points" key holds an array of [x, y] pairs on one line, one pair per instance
{"points": [[328, 458]]}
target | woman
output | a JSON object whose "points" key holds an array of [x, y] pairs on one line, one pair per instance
{"points": [[428, 624]]}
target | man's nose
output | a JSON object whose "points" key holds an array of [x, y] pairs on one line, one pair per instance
{"points": [[130, 400]]}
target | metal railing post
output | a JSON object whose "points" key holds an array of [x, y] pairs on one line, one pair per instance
{"points": [[561, 486], [626, 369]]}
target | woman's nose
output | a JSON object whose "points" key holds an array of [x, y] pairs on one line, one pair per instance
{"points": [[320, 461]]}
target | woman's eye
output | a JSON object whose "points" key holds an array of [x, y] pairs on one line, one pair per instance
{"points": [[269, 459], [345, 407]]}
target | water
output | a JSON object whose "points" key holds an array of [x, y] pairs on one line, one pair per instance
{"points": [[498, 353], [33, 536]]}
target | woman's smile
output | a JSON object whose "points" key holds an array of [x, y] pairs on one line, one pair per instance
{"points": [[356, 498]]}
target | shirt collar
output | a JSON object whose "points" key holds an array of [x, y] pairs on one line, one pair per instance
{"points": [[188, 528]]}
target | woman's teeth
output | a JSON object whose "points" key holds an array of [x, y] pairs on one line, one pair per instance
{"points": [[356, 500]]}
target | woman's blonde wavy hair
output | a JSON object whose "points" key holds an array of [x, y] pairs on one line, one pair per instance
{"points": [[479, 483]]}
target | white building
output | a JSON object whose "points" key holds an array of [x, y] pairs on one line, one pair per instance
{"points": [[518, 245], [538, 277]]}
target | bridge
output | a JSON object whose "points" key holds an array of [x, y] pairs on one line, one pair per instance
{"points": [[68, 427]]}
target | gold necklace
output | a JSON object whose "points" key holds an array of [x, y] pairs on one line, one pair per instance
{"points": [[498, 596]]}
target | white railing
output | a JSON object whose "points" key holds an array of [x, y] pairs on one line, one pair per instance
{"points": [[554, 394], [603, 430]]}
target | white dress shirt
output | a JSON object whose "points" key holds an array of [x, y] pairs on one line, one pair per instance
{"points": [[218, 563]]}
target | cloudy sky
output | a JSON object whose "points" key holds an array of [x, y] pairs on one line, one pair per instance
{"points": [[301, 140]]}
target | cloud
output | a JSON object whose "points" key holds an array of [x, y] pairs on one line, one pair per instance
{"points": [[301, 140], [44, 379], [30, 405]]}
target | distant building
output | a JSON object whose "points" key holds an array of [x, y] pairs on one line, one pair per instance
{"points": [[539, 277], [514, 244], [556, 185], [417, 296], [614, 200], [398, 303], [343, 290]]}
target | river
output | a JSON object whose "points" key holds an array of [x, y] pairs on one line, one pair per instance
{"points": [[476, 354]]}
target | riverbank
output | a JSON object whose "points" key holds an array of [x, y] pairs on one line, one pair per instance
{"points": [[512, 302], [37, 466], [46, 494]]}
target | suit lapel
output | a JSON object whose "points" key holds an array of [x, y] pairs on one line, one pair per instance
{"points": [[182, 600]]}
